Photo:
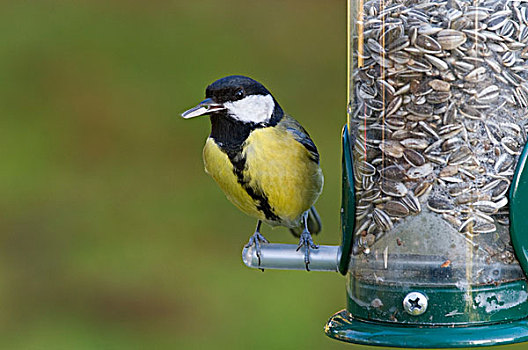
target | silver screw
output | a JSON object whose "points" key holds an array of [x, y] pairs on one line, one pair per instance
{"points": [[415, 303]]}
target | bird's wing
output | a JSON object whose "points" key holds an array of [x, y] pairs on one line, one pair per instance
{"points": [[301, 135]]}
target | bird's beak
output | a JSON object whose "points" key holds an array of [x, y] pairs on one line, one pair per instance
{"points": [[207, 106]]}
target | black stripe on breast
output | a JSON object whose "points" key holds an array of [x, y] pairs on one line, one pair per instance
{"points": [[230, 134], [257, 194]]}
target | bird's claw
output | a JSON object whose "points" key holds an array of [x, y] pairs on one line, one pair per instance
{"points": [[307, 242], [255, 240]]}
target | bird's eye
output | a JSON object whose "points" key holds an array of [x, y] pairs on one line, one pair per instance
{"points": [[239, 93]]}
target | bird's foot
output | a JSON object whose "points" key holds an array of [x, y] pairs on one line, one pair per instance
{"points": [[255, 240], [307, 242]]}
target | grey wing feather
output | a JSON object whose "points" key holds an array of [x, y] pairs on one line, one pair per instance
{"points": [[301, 135]]}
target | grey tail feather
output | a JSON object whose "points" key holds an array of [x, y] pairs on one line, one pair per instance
{"points": [[314, 224]]}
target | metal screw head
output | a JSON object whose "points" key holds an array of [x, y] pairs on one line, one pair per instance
{"points": [[415, 303]]}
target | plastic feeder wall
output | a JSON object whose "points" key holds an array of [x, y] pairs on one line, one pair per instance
{"points": [[434, 225]]}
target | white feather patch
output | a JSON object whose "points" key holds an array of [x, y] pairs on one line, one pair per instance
{"points": [[252, 109]]}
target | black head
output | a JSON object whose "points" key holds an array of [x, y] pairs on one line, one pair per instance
{"points": [[234, 88], [241, 99]]}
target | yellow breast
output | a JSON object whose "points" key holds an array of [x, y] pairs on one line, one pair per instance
{"points": [[219, 167], [276, 165]]}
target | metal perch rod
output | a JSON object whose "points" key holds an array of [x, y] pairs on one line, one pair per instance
{"points": [[286, 257]]}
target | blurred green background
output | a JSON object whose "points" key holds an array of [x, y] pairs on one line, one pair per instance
{"points": [[111, 234]]}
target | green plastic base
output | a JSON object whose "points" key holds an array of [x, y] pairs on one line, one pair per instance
{"points": [[448, 306], [345, 328]]}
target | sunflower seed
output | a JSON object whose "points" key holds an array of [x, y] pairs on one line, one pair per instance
{"points": [[427, 44], [413, 157], [439, 85], [484, 228], [511, 145], [393, 172], [440, 205], [391, 148], [450, 39], [396, 208], [383, 221], [412, 203], [488, 94], [417, 144]]}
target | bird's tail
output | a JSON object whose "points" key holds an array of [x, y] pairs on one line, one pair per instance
{"points": [[314, 223]]}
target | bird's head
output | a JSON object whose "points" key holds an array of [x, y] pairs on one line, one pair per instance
{"points": [[239, 98]]}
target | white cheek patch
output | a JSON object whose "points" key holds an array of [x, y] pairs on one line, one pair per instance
{"points": [[252, 109]]}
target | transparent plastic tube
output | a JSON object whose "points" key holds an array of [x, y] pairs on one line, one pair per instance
{"points": [[438, 92]]}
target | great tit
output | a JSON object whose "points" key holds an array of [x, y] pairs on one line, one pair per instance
{"points": [[263, 159]]}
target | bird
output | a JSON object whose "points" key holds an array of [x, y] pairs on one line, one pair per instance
{"points": [[263, 159]]}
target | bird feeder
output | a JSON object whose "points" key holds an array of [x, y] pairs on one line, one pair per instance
{"points": [[434, 231]]}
